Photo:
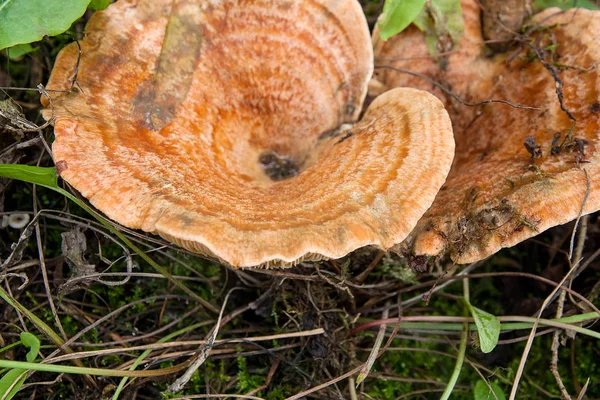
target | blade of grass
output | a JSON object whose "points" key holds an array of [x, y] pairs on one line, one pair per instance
{"points": [[14, 379], [462, 349], [48, 178], [508, 323], [39, 324], [183, 343], [9, 346], [11, 382], [145, 354], [68, 369]]}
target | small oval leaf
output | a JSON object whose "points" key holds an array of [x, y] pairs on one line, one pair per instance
{"points": [[397, 15], [483, 392], [488, 328]]}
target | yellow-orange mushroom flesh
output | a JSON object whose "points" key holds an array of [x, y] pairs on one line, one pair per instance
{"points": [[502, 190], [221, 126]]}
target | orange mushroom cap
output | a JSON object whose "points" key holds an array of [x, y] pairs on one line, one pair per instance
{"points": [[221, 126], [517, 172]]}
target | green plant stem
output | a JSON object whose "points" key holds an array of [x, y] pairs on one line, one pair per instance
{"points": [[39, 324], [67, 369], [48, 178], [561, 325], [136, 249], [42, 327], [508, 323], [9, 346], [145, 354], [462, 349]]}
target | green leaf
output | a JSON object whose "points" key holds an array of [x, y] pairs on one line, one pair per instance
{"points": [[483, 392], [443, 24], [565, 4], [19, 50], [14, 379], [39, 175], [488, 327], [397, 15], [99, 4], [26, 21], [33, 343]]}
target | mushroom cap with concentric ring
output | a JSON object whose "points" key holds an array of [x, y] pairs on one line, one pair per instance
{"points": [[223, 126]]}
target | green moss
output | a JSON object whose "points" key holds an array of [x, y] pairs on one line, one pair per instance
{"points": [[280, 393], [248, 381]]}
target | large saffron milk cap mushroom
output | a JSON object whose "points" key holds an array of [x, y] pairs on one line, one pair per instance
{"points": [[517, 172], [227, 127]]}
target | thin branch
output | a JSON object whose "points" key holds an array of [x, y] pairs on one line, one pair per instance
{"points": [[453, 95], [521, 367], [204, 352]]}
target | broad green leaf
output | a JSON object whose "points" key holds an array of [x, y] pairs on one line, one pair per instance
{"points": [[12, 381], [443, 24], [397, 15], [488, 328], [19, 50], [99, 4], [565, 4], [33, 343], [483, 392], [26, 21]]}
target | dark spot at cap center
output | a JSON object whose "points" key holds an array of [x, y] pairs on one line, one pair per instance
{"points": [[595, 108], [278, 167]]}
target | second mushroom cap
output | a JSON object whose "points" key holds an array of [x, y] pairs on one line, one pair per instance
{"points": [[518, 170]]}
